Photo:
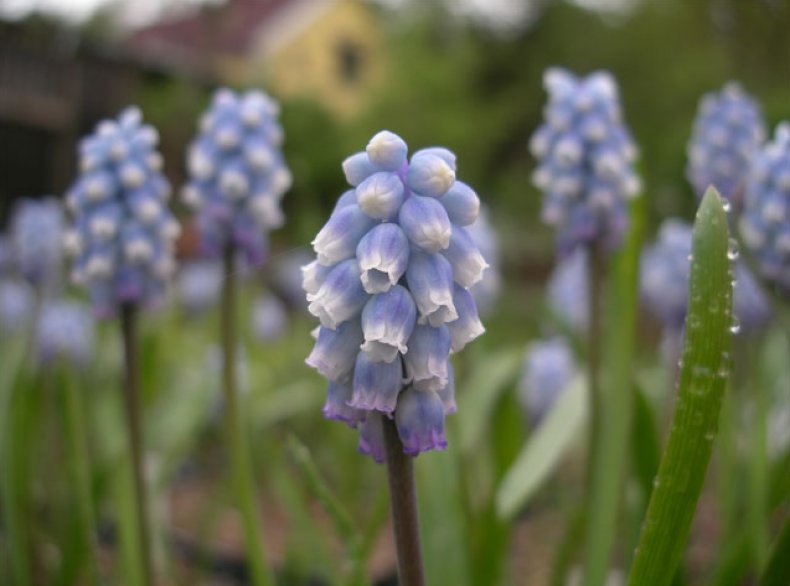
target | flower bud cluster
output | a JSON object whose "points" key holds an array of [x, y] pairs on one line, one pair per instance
{"points": [[765, 221], [585, 157], [36, 247], [237, 174], [728, 131], [124, 234], [391, 287]]}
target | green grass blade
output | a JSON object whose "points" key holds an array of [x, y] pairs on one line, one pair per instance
{"points": [[703, 377], [544, 450], [777, 572]]}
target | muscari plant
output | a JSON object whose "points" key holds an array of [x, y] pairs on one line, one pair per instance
{"points": [[122, 241], [390, 286], [237, 178], [586, 173]]}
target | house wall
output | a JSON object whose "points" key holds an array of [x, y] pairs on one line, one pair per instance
{"points": [[327, 50]]}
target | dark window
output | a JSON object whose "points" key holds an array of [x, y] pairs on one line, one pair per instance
{"points": [[349, 56]]}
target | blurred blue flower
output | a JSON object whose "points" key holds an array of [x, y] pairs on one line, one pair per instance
{"points": [[390, 284], [199, 284], [237, 174], [269, 318], [124, 233], [585, 160], [664, 278], [728, 131], [664, 283], [37, 227], [765, 222], [65, 331], [16, 305], [487, 291], [750, 304], [549, 366], [567, 291]]}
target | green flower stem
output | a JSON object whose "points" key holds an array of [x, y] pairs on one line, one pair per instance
{"points": [[131, 387], [240, 463], [613, 391], [759, 466], [403, 502], [595, 276], [76, 435]]}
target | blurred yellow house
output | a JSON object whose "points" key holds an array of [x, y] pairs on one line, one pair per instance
{"points": [[327, 50]]}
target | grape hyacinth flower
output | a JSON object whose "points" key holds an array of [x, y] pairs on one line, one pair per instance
{"points": [[237, 174], [391, 287], [765, 222], [37, 227], [567, 291], [549, 366], [728, 131], [585, 157], [123, 242], [124, 233], [199, 284], [486, 292], [65, 331], [751, 307]]}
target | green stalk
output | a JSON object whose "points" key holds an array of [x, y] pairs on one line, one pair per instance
{"points": [[595, 268], [703, 378], [131, 387], [403, 500], [75, 426], [241, 473], [14, 501], [614, 398]]}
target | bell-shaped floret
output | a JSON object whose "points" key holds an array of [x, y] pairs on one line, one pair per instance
{"points": [[335, 351], [339, 237], [461, 203], [376, 384], [388, 320], [341, 295], [468, 326], [420, 421], [380, 195], [428, 357], [425, 222], [383, 254], [430, 280]]}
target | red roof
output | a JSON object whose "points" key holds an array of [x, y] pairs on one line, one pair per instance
{"points": [[225, 29]]}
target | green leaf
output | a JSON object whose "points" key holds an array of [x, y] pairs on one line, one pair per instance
{"points": [[481, 391], [544, 450], [703, 376], [777, 572]]}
